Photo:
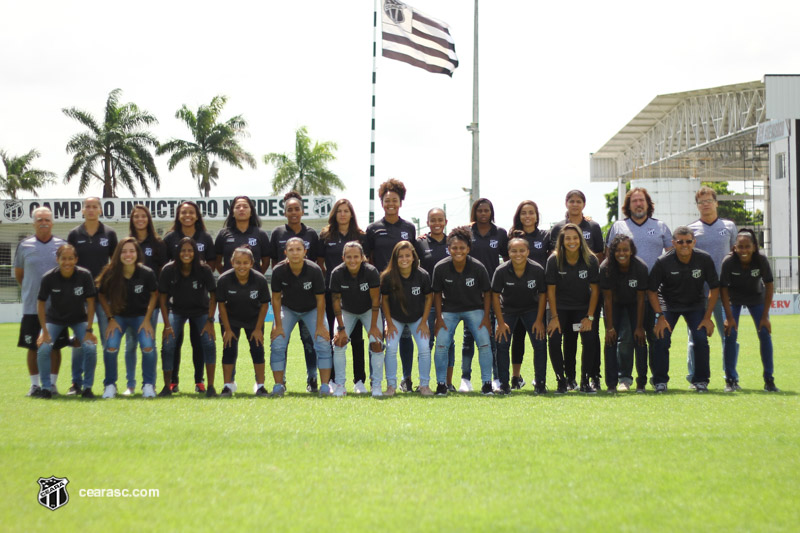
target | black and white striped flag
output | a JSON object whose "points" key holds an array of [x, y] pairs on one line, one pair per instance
{"points": [[417, 39]]}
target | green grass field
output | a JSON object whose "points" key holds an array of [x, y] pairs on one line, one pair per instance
{"points": [[466, 462]]}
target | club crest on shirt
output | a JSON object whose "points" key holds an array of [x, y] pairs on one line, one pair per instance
{"points": [[194, 285], [470, 282], [651, 231], [633, 283], [307, 286], [253, 295], [696, 273], [723, 232], [103, 241], [252, 242], [416, 291], [78, 291], [537, 245], [531, 283], [583, 274], [200, 246], [404, 235], [148, 252], [138, 289], [755, 272], [587, 235], [364, 287], [493, 243]]}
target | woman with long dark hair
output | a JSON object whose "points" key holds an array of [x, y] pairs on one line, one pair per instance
{"points": [[242, 227], [572, 275], [127, 292], [187, 293], [623, 280]]}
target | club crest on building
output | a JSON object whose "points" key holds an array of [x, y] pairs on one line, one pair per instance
{"points": [[12, 210], [322, 206], [583, 274], [253, 295], [53, 492], [531, 283], [470, 282], [696, 273], [394, 10]]}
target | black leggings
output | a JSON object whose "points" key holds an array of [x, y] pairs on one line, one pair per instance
{"points": [[564, 362]]}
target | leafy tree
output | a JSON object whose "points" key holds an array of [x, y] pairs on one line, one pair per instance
{"points": [[116, 152], [734, 209], [20, 177], [211, 139], [612, 203], [305, 170]]}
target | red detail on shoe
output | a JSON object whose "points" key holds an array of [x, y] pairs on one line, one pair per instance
{"points": [[200, 387]]}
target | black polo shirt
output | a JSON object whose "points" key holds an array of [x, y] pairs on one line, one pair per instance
{"points": [[519, 294], [489, 248], [355, 290], [745, 285], [229, 239], [592, 234], [281, 234], [155, 253], [138, 289], [383, 236], [67, 295], [624, 286], [188, 295], [331, 250], [572, 284], [416, 287], [94, 251], [431, 251], [539, 244], [461, 291], [242, 301], [298, 293], [680, 285], [205, 244]]}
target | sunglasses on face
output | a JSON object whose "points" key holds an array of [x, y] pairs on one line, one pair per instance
{"points": [[684, 241]]}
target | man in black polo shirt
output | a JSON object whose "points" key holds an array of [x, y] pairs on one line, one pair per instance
{"points": [[94, 243], [677, 278], [382, 236]]}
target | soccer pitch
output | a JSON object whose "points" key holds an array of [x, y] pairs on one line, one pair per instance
{"points": [[465, 462]]}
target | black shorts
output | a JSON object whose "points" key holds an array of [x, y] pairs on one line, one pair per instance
{"points": [[29, 330]]}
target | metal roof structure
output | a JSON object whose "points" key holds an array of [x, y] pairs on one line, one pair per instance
{"points": [[709, 134]]}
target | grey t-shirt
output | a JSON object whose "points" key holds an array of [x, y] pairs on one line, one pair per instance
{"points": [[35, 258], [716, 239], [651, 238]]}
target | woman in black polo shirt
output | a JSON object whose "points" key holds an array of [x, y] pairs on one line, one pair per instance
{"points": [[342, 228], [189, 223], [526, 225], [623, 280], [406, 304], [572, 275], [298, 295], [187, 285], [355, 294], [155, 257], [518, 289], [746, 280], [243, 297], [71, 292], [127, 292], [242, 227]]}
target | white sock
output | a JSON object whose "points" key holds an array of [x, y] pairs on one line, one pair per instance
{"points": [[231, 386], [53, 378], [259, 385], [35, 380]]}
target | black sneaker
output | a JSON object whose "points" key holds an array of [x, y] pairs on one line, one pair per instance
{"points": [[226, 392], [200, 387], [451, 388], [736, 386], [640, 389], [572, 384], [166, 391], [44, 394], [586, 388], [74, 390], [769, 385], [87, 393], [729, 385], [486, 389], [561, 386], [540, 388], [211, 392], [701, 387], [262, 391], [504, 389], [311, 385], [174, 388], [406, 385], [517, 382], [442, 389], [595, 384]]}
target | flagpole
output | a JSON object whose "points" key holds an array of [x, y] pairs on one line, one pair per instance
{"points": [[475, 191], [372, 130]]}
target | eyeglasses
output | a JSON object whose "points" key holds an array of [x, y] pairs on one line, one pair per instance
{"points": [[684, 241], [705, 202]]}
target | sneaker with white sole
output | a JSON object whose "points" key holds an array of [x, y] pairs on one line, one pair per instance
{"points": [[376, 392], [424, 390], [661, 388], [487, 389], [701, 387], [148, 391], [278, 391], [324, 390], [128, 391], [623, 387], [339, 391], [391, 390], [33, 390], [74, 390], [53, 390], [359, 388], [466, 385], [496, 385], [110, 391]]}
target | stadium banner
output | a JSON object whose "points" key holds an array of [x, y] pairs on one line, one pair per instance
{"points": [[162, 209], [782, 304]]}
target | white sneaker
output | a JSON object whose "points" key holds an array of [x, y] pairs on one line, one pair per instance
{"points": [[110, 391], [495, 385], [148, 391], [359, 388], [466, 385], [129, 391], [339, 391], [376, 391]]}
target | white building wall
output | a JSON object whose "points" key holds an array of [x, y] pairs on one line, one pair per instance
{"points": [[784, 238], [673, 199]]}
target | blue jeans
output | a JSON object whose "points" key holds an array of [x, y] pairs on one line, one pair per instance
{"points": [[539, 347], [147, 343], [308, 351], [468, 350], [719, 321], [423, 353], [86, 359], [77, 353], [764, 341], [451, 352], [131, 344], [472, 322], [340, 352], [289, 319], [619, 363], [177, 322], [660, 363]]}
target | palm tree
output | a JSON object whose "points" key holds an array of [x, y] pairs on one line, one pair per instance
{"points": [[116, 152], [211, 139], [305, 171], [20, 177]]}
